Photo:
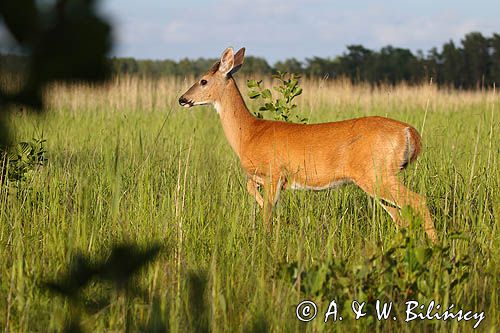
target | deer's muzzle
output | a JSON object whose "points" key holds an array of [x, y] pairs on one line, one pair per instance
{"points": [[183, 101]]}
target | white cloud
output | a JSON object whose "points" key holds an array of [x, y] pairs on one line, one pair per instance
{"points": [[426, 30], [254, 20], [294, 28]]}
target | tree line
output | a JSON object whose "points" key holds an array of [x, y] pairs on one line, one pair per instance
{"points": [[473, 63]]}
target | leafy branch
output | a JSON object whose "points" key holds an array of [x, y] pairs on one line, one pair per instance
{"points": [[23, 159], [283, 107]]}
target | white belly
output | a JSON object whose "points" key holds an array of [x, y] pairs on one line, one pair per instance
{"points": [[336, 183]]}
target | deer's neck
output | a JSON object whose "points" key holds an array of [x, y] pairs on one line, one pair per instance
{"points": [[236, 120]]}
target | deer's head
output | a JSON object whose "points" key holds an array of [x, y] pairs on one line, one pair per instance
{"points": [[209, 88]]}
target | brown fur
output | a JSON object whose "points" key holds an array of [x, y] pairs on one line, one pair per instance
{"points": [[367, 151]]}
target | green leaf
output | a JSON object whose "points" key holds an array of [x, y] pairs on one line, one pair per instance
{"points": [[266, 94], [297, 92], [314, 281], [423, 254], [252, 83], [458, 235], [270, 106], [24, 148], [253, 94]]}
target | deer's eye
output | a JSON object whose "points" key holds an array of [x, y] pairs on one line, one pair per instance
{"points": [[203, 82]]}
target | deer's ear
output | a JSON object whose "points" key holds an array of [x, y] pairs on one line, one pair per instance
{"points": [[215, 67], [226, 61], [238, 60]]}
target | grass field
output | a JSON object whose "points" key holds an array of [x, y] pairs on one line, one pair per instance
{"points": [[127, 164]]}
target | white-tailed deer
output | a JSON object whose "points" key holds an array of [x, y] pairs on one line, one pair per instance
{"points": [[277, 155]]}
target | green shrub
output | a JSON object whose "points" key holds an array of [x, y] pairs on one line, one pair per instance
{"points": [[401, 272], [24, 158], [282, 108]]}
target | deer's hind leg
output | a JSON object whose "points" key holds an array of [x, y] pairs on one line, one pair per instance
{"points": [[391, 190], [403, 197], [394, 213]]}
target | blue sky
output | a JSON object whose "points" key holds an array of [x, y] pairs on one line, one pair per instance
{"points": [[280, 29]]}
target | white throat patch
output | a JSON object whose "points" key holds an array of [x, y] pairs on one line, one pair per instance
{"points": [[218, 107]]}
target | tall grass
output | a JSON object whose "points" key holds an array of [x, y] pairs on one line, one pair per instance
{"points": [[126, 163]]}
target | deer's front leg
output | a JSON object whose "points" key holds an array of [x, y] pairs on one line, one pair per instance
{"points": [[272, 188], [253, 189]]}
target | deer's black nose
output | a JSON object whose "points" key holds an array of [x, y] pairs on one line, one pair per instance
{"points": [[183, 100]]}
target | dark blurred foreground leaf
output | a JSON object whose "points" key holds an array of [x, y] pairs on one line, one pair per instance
{"points": [[67, 42], [118, 269], [73, 326], [123, 263], [197, 285], [157, 321], [259, 324], [21, 17], [80, 273]]}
